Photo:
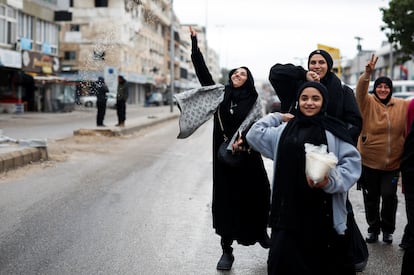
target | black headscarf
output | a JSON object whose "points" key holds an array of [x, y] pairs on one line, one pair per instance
{"points": [[325, 55], [334, 86], [388, 82]]}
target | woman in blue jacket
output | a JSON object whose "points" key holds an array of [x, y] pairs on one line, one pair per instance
{"points": [[308, 219]]}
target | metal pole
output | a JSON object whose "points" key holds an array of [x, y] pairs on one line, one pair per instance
{"points": [[391, 61], [171, 56], [359, 48], [205, 34]]}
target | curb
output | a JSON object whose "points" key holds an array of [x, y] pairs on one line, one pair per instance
{"points": [[18, 158], [131, 127]]}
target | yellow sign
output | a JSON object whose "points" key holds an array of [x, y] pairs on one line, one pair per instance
{"points": [[336, 56], [334, 52]]}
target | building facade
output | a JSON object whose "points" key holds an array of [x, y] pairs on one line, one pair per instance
{"points": [[387, 65], [125, 37], [29, 45]]}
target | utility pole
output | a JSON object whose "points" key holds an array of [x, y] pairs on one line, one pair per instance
{"points": [[391, 60], [359, 48], [171, 56]]}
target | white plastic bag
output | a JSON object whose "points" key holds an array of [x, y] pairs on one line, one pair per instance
{"points": [[318, 161]]}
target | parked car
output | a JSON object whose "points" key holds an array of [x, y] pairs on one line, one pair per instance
{"points": [[155, 99], [111, 102], [167, 100], [404, 95], [90, 100]]}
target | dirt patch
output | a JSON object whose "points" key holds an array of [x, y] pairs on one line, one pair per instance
{"points": [[63, 149]]}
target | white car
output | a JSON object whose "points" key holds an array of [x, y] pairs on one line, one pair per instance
{"points": [[404, 95], [90, 100]]}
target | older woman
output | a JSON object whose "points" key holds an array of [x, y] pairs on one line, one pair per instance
{"points": [[381, 145]]}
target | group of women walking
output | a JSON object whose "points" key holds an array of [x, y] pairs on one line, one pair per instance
{"points": [[308, 218]]}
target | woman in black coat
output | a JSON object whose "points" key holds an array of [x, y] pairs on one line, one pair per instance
{"points": [[287, 78], [241, 194], [407, 177]]}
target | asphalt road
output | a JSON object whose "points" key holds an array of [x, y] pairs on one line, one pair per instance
{"points": [[139, 204]]}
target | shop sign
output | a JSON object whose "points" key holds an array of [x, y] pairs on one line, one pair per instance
{"points": [[11, 59], [40, 63]]}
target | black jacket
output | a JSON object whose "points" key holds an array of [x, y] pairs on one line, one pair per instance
{"points": [[101, 91], [286, 80]]}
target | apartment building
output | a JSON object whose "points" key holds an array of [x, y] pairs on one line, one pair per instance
{"points": [[116, 37], [29, 41], [53, 50]]}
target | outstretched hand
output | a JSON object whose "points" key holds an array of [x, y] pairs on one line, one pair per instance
{"points": [[286, 116], [369, 68], [192, 31]]}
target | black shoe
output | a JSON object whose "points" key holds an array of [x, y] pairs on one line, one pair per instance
{"points": [[101, 125], [372, 237], [265, 242], [387, 238], [359, 267], [225, 262], [403, 245]]}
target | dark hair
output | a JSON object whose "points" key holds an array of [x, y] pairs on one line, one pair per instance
{"points": [[121, 78]]}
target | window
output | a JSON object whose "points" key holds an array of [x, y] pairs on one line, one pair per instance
{"points": [[101, 3], [74, 28], [47, 34], [70, 55], [8, 25], [25, 26]]}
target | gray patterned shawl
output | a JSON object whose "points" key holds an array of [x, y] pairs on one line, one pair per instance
{"points": [[199, 105]]}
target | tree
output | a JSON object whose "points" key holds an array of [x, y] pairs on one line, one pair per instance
{"points": [[399, 20]]}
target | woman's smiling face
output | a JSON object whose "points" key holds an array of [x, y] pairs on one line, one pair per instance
{"points": [[239, 77], [310, 101], [317, 64], [382, 91]]}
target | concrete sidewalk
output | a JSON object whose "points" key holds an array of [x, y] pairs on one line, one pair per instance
{"points": [[52, 126]]}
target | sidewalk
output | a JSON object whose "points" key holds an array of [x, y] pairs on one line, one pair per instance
{"points": [[29, 132]]}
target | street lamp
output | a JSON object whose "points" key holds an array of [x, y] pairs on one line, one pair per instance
{"points": [[359, 48], [171, 55]]}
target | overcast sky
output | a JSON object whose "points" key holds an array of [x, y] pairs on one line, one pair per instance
{"points": [[261, 33]]}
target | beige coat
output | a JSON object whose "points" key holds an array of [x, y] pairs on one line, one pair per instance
{"points": [[382, 137]]}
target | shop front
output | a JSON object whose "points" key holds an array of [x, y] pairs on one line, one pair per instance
{"points": [[51, 93], [11, 77]]}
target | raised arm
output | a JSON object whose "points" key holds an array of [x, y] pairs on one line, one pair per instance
{"points": [[197, 58], [363, 82], [286, 79]]}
